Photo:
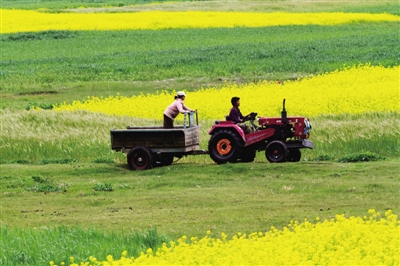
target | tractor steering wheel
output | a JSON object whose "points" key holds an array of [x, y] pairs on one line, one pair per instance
{"points": [[250, 117]]}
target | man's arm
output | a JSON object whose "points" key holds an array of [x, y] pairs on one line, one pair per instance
{"points": [[240, 115], [185, 107], [179, 106]]}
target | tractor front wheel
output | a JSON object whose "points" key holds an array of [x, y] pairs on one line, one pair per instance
{"points": [[140, 158], [224, 146], [276, 151]]}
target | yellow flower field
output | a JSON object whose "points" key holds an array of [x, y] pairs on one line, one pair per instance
{"points": [[31, 21], [351, 90], [370, 240]]}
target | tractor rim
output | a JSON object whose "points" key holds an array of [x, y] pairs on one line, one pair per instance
{"points": [[276, 153], [224, 146]]}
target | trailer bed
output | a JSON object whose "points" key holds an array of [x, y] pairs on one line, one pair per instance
{"points": [[157, 139]]}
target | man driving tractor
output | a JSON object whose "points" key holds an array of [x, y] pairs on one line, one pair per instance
{"points": [[236, 116]]}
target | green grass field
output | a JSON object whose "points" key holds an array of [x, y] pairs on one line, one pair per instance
{"points": [[63, 192], [99, 63], [185, 199]]}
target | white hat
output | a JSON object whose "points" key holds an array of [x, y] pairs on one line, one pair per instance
{"points": [[180, 93]]}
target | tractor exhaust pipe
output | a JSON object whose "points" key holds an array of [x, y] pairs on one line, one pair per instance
{"points": [[284, 115]]}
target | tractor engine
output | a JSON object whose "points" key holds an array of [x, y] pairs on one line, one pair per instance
{"points": [[296, 127]]}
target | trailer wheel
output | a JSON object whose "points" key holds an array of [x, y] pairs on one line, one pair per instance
{"points": [[140, 158], [224, 146], [276, 151], [294, 155]]}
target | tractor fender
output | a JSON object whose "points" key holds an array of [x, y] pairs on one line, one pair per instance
{"points": [[230, 126]]}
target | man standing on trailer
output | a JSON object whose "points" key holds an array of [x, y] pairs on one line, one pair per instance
{"points": [[174, 109]]}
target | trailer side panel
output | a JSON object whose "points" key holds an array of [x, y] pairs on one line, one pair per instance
{"points": [[154, 137]]}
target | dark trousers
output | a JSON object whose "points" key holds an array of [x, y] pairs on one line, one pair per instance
{"points": [[246, 128], [168, 122]]}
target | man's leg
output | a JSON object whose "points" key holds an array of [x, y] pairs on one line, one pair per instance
{"points": [[246, 129]]}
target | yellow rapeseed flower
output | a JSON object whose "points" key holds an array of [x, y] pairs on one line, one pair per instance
{"points": [[30, 21], [352, 90], [338, 241]]}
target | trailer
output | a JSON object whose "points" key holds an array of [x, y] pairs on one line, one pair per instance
{"points": [[147, 147]]}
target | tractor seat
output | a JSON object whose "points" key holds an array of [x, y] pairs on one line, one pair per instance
{"points": [[227, 118]]}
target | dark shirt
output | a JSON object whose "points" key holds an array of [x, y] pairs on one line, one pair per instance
{"points": [[235, 115]]}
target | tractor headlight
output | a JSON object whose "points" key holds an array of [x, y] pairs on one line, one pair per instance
{"points": [[307, 126]]}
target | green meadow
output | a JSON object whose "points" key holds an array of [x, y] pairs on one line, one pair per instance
{"points": [[53, 211], [72, 64], [64, 193]]}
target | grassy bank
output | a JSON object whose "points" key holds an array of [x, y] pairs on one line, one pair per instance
{"points": [[39, 246], [49, 136]]}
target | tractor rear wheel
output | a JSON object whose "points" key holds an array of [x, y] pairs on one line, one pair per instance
{"points": [[276, 151], [224, 146], [140, 158], [294, 155]]}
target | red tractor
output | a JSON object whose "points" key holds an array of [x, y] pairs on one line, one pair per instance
{"points": [[281, 139]]}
